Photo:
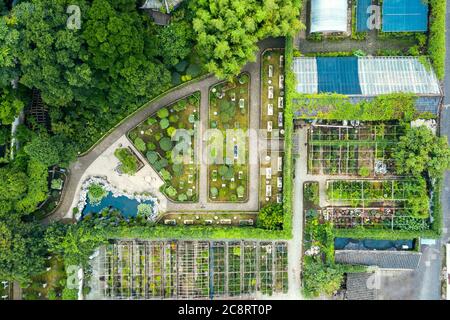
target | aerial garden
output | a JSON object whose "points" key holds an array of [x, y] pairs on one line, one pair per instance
{"points": [[228, 155], [169, 142]]}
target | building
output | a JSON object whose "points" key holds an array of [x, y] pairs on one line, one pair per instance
{"points": [[329, 16], [404, 16], [385, 260], [160, 10], [363, 78]]}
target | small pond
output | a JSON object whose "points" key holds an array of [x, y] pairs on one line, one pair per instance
{"points": [[127, 206], [370, 244]]}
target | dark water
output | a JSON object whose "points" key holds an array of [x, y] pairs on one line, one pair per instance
{"points": [[370, 244], [127, 206]]}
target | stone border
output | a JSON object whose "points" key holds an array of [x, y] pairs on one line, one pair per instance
{"points": [[82, 202]]}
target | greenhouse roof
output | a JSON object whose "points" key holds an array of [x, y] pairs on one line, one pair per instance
{"points": [[405, 16], [366, 76], [393, 260], [329, 16]]}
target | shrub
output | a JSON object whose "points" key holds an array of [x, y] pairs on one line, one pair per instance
{"points": [[163, 113], [96, 193], [171, 131], [69, 294], [165, 175], [128, 161], [151, 146], [180, 106], [151, 121], [182, 197], [140, 144], [364, 171], [144, 210], [176, 78], [271, 217], [57, 184], [312, 193], [193, 70], [171, 192], [178, 169], [214, 192], [181, 66], [166, 144], [240, 191], [174, 118], [152, 157], [164, 123]]}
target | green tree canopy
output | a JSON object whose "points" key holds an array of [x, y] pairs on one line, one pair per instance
{"points": [[420, 152], [227, 31], [21, 250], [271, 217]]}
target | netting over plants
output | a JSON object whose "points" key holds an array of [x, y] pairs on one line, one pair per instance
{"points": [[189, 269], [352, 150]]}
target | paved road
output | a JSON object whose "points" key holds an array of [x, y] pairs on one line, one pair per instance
{"points": [[78, 168], [429, 283]]}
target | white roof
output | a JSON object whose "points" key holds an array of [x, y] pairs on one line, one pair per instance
{"points": [[383, 75], [329, 15]]}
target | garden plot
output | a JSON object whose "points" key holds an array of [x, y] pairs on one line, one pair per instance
{"points": [[190, 269], [168, 140], [393, 204], [272, 93], [228, 142], [363, 150], [271, 178]]}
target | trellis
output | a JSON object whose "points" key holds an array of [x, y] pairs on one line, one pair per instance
{"points": [[386, 208], [343, 150], [190, 269]]}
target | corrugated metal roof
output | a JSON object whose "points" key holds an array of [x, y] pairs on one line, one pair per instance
{"points": [[329, 16], [398, 260], [377, 75], [358, 287]]}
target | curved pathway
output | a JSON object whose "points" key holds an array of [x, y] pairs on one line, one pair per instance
{"points": [[78, 168]]}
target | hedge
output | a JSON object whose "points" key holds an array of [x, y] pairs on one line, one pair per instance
{"points": [[436, 39], [289, 130], [191, 232]]}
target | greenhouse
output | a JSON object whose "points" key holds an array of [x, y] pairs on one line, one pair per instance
{"points": [[329, 16], [367, 77], [189, 269]]}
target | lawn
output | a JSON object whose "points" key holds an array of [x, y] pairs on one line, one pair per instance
{"points": [[228, 147], [168, 140]]}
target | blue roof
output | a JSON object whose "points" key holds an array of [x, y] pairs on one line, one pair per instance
{"points": [[361, 15], [338, 75], [405, 16]]}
